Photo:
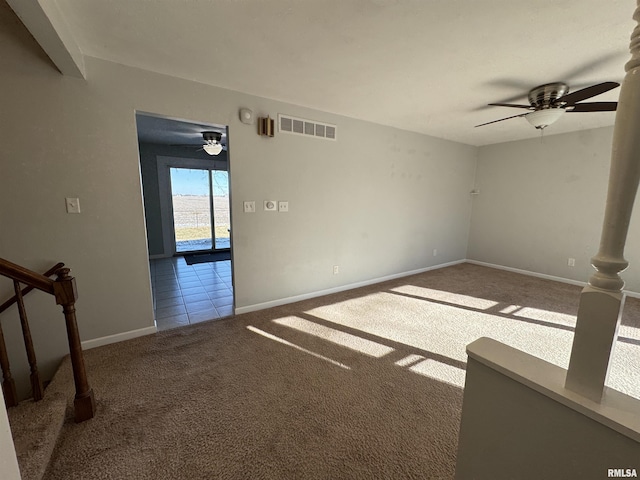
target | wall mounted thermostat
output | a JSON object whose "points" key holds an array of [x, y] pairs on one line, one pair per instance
{"points": [[270, 206]]}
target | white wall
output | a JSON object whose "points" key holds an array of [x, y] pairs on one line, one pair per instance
{"points": [[376, 202], [542, 201], [518, 421], [8, 461]]}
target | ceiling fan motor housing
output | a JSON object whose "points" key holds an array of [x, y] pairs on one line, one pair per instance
{"points": [[545, 95], [212, 136]]}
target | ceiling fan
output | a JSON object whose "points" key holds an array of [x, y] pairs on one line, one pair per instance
{"points": [[212, 143], [550, 101]]}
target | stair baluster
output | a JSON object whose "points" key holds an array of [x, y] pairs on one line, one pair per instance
{"points": [[36, 383], [63, 288]]}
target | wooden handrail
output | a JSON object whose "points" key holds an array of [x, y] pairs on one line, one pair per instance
{"points": [[26, 276], [29, 288], [63, 288], [8, 383]]}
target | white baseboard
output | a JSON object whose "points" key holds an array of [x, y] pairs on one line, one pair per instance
{"points": [[628, 293], [342, 288], [529, 273], [118, 337]]}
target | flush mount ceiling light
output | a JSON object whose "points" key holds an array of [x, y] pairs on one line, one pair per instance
{"points": [[212, 143]]}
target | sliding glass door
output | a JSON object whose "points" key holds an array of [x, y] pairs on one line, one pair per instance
{"points": [[200, 200]]}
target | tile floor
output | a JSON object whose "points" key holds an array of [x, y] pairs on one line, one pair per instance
{"points": [[185, 294]]}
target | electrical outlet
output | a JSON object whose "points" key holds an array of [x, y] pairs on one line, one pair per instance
{"points": [[336, 269], [270, 206], [283, 206], [73, 205], [249, 207], [571, 262]]}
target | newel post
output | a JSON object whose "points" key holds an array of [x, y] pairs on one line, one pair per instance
{"points": [[66, 294], [602, 300]]}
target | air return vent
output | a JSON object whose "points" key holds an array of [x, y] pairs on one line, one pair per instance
{"points": [[309, 128]]}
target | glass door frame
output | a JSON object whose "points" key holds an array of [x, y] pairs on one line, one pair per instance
{"points": [[212, 174], [191, 174], [164, 164]]}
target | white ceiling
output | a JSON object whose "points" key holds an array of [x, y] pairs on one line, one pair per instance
{"points": [[428, 66]]}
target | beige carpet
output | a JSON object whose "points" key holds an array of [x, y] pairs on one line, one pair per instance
{"points": [[361, 384]]}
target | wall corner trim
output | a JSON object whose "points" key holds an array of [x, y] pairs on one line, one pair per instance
{"points": [[529, 273], [118, 337]]}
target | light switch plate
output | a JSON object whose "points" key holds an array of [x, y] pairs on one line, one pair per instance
{"points": [[249, 207], [283, 206], [270, 206], [73, 205]]}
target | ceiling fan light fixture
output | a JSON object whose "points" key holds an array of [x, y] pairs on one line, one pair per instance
{"points": [[545, 117], [212, 148], [212, 143]]}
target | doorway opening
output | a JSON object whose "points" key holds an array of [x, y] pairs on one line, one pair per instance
{"points": [[186, 195]]}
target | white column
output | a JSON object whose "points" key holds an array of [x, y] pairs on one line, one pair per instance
{"points": [[601, 301]]}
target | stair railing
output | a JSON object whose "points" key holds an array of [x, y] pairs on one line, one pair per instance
{"points": [[63, 288]]}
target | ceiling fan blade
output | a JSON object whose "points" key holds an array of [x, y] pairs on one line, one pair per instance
{"points": [[592, 91], [594, 107], [593, 65], [528, 107], [501, 120]]}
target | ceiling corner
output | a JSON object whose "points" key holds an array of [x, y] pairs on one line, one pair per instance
{"points": [[47, 25]]}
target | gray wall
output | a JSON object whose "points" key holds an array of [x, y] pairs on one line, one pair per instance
{"points": [[376, 202], [542, 201]]}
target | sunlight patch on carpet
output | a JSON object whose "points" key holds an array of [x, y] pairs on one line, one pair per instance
{"points": [[448, 297], [629, 332], [510, 309], [353, 342], [546, 316], [297, 347], [440, 371]]}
